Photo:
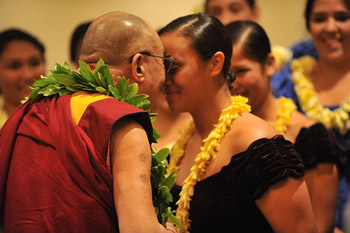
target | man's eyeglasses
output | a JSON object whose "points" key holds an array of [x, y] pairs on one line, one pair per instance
{"points": [[167, 60]]}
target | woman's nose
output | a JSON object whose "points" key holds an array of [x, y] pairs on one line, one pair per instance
{"points": [[331, 25]]}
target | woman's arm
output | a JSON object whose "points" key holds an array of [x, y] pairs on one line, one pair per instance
{"points": [[131, 165], [322, 183], [287, 207]]}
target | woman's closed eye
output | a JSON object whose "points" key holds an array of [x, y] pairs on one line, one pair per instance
{"points": [[240, 72]]}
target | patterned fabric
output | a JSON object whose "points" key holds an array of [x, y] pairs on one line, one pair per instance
{"points": [[227, 199]]}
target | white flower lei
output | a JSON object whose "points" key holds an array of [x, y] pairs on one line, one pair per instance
{"points": [[309, 101]]}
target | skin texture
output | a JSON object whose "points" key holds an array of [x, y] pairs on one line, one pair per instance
{"points": [[20, 64], [109, 38], [330, 31], [228, 11], [253, 81], [184, 87], [170, 123], [104, 40]]}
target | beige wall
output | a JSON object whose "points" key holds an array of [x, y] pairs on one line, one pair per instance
{"points": [[54, 20]]}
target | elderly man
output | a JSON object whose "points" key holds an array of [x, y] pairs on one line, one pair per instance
{"points": [[81, 162]]}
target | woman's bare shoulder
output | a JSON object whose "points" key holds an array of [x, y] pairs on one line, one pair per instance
{"points": [[248, 128], [299, 121]]}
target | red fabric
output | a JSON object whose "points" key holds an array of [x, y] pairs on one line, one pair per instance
{"points": [[53, 174]]}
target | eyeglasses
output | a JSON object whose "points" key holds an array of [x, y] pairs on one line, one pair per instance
{"points": [[167, 60]]}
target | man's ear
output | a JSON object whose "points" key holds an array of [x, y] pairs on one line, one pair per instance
{"points": [[137, 68], [217, 62]]}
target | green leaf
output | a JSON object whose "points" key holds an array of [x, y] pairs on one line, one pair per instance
{"points": [[122, 85], [143, 105], [114, 91], [61, 69], [108, 76], [34, 94], [67, 66], [72, 89], [48, 90], [132, 90], [101, 90], [174, 220], [79, 78], [102, 79], [44, 81], [99, 64], [171, 180], [64, 79], [156, 135], [97, 79], [86, 72], [63, 92], [162, 154]]}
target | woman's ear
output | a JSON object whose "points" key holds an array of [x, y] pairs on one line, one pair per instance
{"points": [[217, 62], [270, 65], [137, 68]]}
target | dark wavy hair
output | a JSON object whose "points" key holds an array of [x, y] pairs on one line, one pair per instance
{"points": [[255, 43], [308, 9], [13, 34], [208, 36]]}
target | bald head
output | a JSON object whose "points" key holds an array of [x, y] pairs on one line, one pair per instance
{"points": [[116, 36]]}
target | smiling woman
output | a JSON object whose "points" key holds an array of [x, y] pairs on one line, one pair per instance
{"points": [[321, 89], [21, 62], [223, 159]]}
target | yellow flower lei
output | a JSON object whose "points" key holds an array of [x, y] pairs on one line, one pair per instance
{"points": [[309, 101], [208, 151], [284, 114]]}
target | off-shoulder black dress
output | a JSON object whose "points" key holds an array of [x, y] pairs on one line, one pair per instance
{"points": [[225, 201], [317, 145]]}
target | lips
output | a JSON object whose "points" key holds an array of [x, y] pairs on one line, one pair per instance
{"points": [[332, 43], [169, 91]]}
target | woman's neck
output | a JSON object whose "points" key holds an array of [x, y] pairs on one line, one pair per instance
{"points": [[268, 109], [324, 70], [208, 113], [331, 82]]}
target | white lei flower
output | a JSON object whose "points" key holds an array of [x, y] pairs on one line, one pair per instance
{"points": [[309, 101]]}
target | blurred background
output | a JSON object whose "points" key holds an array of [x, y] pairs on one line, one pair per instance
{"points": [[53, 21]]}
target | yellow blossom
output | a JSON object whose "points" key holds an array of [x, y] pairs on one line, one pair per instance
{"points": [[208, 151], [309, 100]]}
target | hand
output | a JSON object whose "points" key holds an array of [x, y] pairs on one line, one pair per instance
{"points": [[170, 227]]}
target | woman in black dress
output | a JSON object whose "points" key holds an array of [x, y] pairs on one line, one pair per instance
{"points": [[235, 173]]}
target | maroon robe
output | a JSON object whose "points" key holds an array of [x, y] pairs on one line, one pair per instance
{"points": [[53, 173]]}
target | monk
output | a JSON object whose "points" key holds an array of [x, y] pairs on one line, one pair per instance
{"points": [[81, 162]]}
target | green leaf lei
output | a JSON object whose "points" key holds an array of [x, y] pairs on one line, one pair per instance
{"points": [[64, 81]]}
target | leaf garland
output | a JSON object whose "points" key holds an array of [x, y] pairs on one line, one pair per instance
{"points": [[64, 81]]}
